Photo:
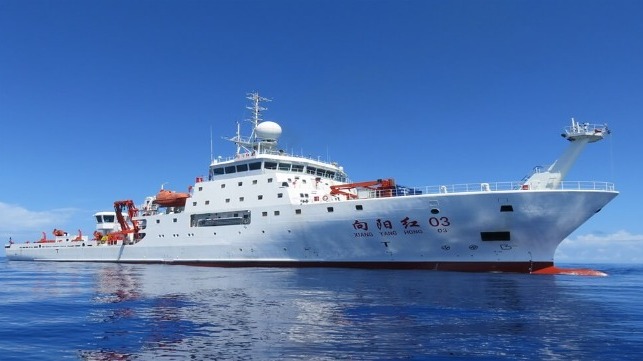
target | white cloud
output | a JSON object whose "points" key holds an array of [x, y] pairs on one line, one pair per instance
{"points": [[617, 247], [17, 221]]}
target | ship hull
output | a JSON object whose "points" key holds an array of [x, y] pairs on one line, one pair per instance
{"points": [[506, 231]]}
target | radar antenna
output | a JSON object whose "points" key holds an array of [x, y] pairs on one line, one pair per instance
{"points": [[264, 133], [256, 109]]}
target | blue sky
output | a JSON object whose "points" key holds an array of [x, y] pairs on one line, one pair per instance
{"points": [[106, 100]]}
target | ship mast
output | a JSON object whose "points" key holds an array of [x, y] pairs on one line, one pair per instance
{"points": [[579, 135], [256, 109], [251, 144]]}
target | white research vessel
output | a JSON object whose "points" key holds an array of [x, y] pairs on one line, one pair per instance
{"points": [[264, 207]]}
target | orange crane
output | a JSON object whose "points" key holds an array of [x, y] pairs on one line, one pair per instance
{"points": [[382, 187], [132, 212]]}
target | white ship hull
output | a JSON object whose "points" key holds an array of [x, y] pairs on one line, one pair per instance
{"points": [[449, 240]]}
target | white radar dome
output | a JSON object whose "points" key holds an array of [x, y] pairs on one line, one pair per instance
{"points": [[268, 130]]}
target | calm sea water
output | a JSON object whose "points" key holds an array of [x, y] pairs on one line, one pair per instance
{"points": [[54, 311]]}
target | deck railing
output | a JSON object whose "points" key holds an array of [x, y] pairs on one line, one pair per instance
{"points": [[486, 187]]}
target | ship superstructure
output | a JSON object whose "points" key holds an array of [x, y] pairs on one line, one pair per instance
{"points": [[266, 207]]}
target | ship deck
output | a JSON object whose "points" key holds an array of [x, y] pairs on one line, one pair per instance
{"points": [[501, 187]]}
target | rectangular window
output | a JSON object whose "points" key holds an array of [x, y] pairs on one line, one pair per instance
{"points": [[264, 214], [495, 236], [217, 171], [222, 185], [241, 199], [270, 165], [269, 180], [506, 208], [260, 197], [227, 200], [297, 168], [174, 220], [276, 213], [330, 209], [242, 168], [200, 189], [158, 221], [207, 202], [230, 169], [297, 211], [240, 184], [280, 195], [284, 166], [359, 207], [255, 165], [194, 203], [254, 181]]}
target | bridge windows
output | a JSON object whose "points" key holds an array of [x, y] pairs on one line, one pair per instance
{"points": [[242, 167], [230, 169], [281, 166], [284, 166]]}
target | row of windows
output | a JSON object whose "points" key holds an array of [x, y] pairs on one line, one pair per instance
{"points": [[358, 207], [241, 199], [236, 168], [254, 181], [282, 166], [246, 214]]}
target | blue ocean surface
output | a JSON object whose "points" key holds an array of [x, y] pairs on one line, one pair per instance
{"points": [[91, 311]]}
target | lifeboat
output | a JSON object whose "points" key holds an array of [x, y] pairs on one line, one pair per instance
{"points": [[165, 198]]}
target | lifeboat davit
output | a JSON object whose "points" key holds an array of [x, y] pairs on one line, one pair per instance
{"points": [[165, 198]]}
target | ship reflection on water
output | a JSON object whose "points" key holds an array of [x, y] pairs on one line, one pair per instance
{"points": [[155, 311]]}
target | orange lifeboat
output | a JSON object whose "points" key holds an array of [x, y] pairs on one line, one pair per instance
{"points": [[165, 198]]}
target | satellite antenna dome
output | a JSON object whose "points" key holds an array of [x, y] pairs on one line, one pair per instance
{"points": [[268, 130]]}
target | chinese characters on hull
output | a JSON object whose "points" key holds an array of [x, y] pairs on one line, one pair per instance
{"points": [[408, 226]]}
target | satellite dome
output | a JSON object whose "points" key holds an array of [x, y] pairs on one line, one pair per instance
{"points": [[268, 130]]}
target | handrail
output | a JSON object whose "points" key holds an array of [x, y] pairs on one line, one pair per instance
{"points": [[491, 187], [254, 154]]}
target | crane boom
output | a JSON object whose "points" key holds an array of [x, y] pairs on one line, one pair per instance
{"points": [[383, 187], [132, 212]]}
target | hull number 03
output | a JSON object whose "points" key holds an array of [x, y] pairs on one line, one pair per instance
{"points": [[439, 222]]}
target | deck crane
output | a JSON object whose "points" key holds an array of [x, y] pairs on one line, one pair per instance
{"points": [[382, 187], [126, 229]]}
